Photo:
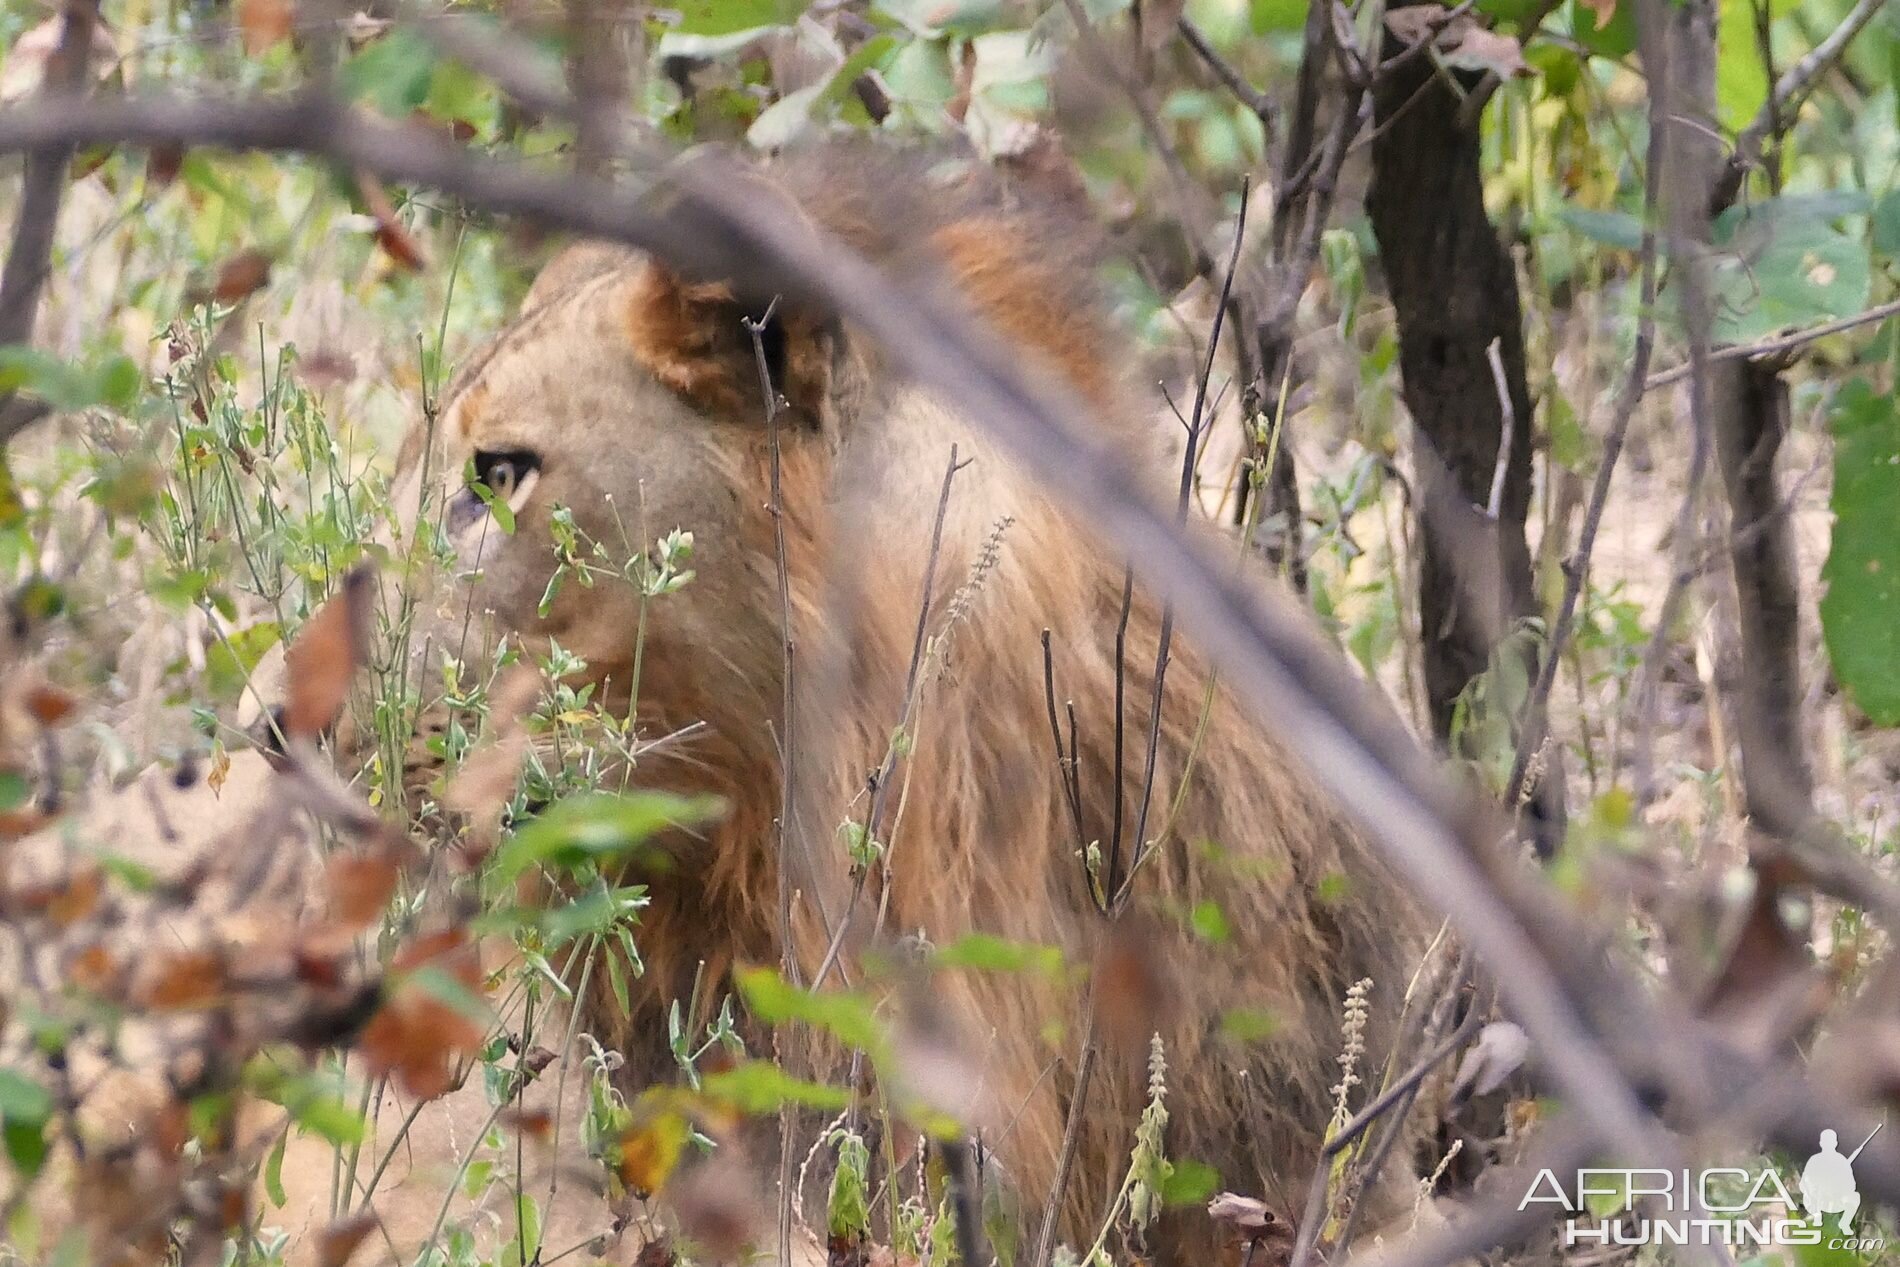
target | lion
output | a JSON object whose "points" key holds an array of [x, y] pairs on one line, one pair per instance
{"points": [[627, 400]]}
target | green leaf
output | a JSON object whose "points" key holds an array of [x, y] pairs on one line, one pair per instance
{"points": [[783, 120], [392, 74], [1249, 1024], [988, 953], [1612, 228], [22, 1099], [846, 1016], [1741, 80], [1887, 225], [724, 17], [1860, 614], [69, 387], [1190, 1182], [1614, 39], [1789, 271], [598, 827], [1209, 921], [759, 1087], [1268, 16], [274, 1172], [25, 1109], [14, 789], [931, 18]]}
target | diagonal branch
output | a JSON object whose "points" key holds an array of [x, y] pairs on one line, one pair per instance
{"points": [[30, 257], [1788, 93]]}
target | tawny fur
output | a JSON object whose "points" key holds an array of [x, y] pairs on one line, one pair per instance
{"points": [[638, 387]]}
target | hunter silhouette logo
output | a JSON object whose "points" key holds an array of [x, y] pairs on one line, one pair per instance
{"points": [[1722, 1205], [1827, 1182]]}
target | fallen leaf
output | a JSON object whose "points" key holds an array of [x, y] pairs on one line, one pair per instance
{"points": [[1479, 49], [535, 1124], [186, 979], [263, 23], [338, 1241], [417, 1035], [718, 1208], [163, 163], [238, 277], [359, 887], [650, 1150], [1500, 1050], [1243, 1214], [94, 969], [391, 233], [1459, 40], [74, 900], [49, 704], [325, 656]]}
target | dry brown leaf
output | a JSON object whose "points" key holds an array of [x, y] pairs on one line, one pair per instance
{"points": [[535, 1124], [76, 899], [1459, 40], [391, 234], [338, 1241], [359, 887], [651, 1150], [416, 1035], [238, 277], [163, 163], [1131, 990], [49, 704], [186, 979], [1479, 49], [1768, 989], [325, 657], [263, 23], [1416, 22], [94, 969], [717, 1204]]}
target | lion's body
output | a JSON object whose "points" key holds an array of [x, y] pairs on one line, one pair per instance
{"points": [[637, 395]]}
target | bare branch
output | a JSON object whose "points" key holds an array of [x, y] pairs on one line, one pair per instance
{"points": [[30, 256], [1781, 103], [1777, 345]]}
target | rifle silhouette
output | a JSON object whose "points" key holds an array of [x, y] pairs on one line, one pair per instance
{"points": [[1864, 1143]]}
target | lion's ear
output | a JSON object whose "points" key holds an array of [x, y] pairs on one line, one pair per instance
{"points": [[696, 338], [573, 265]]}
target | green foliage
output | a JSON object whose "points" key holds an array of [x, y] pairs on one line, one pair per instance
{"points": [[1860, 614], [25, 1110], [597, 829]]}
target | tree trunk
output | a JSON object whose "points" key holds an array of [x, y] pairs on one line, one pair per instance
{"points": [[1455, 291]]}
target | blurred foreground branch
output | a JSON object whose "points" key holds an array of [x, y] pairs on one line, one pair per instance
{"points": [[1606, 1040]]}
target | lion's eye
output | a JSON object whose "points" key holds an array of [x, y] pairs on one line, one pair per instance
{"points": [[505, 471]]}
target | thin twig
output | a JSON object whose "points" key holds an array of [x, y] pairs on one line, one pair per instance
{"points": [[879, 781], [1577, 567], [1140, 845], [1236, 83], [1472, 107], [788, 744], [1779, 344], [1781, 103], [30, 256], [1494, 505]]}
